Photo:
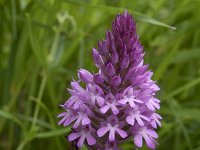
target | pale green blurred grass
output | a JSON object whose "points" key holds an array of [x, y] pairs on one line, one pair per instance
{"points": [[43, 43]]}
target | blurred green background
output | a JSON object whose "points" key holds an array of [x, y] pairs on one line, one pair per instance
{"points": [[44, 42]]}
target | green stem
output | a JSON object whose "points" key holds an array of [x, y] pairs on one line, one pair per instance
{"points": [[41, 91]]}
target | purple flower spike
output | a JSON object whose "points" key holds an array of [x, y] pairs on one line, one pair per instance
{"points": [[117, 102]]}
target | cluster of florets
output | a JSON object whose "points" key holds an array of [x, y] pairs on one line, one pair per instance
{"points": [[118, 102]]}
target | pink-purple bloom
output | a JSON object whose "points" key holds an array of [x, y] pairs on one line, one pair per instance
{"points": [[118, 102]]}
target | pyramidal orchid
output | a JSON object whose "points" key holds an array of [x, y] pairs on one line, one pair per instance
{"points": [[118, 102]]}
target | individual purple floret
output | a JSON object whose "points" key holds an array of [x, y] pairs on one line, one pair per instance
{"points": [[118, 102]]}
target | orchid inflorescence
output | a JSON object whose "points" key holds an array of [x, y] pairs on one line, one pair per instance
{"points": [[118, 103]]}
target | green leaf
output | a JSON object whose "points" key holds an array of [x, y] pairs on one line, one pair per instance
{"points": [[116, 9], [35, 46], [54, 133], [13, 118], [186, 55]]}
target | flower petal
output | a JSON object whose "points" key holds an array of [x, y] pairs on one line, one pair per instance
{"points": [[62, 120], [112, 135], [152, 133], [104, 109], [130, 120], [131, 103], [73, 136], [90, 139], [81, 141], [122, 101], [153, 124], [62, 114], [67, 122], [85, 120], [77, 123], [139, 120], [138, 140], [102, 131], [114, 109], [145, 118], [122, 133], [149, 141], [100, 101], [138, 101]]}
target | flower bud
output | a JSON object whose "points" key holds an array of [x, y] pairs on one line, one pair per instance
{"points": [[97, 57], [98, 78], [115, 57], [110, 70], [85, 76], [125, 62], [115, 81]]}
